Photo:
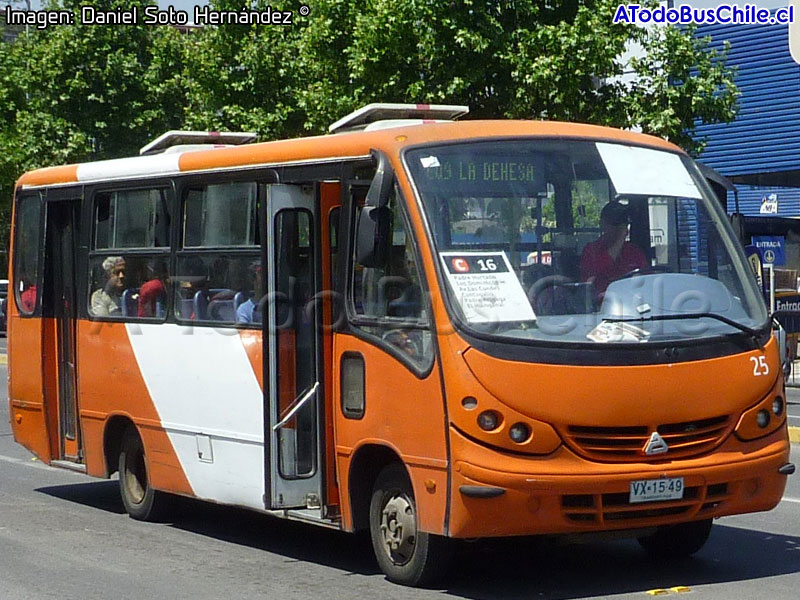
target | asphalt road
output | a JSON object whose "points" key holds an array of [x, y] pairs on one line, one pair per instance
{"points": [[65, 535]]}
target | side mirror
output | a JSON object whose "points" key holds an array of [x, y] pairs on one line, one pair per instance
{"points": [[373, 236], [783, 347], [381, 187]]}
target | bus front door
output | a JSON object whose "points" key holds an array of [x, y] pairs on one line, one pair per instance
{"points": [[292, 330], [60, 271]]}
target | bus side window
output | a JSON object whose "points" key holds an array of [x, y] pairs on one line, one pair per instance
{"points": [[393, 294], [129, 257], [218, 276], [26, 254]]}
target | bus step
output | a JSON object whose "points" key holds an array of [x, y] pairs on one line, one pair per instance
{"points": [[65, 464]]}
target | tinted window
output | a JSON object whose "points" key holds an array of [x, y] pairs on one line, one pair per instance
{"points": [[131, 219], [220, 215], [26, 253]]}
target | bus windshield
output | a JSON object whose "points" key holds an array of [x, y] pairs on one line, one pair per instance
{"points": [[586, 242]]}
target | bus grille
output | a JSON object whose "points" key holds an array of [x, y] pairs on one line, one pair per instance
{"points": [[603, 509], [627, 443]]}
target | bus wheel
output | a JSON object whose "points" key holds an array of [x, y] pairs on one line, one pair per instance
{"points": [[405, 554], [677, 541], [138, 496]]}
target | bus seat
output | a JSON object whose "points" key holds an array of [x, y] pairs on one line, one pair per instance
{"points": [[238, 299], [130, 302], [186, 308], [199, 305], [221, 310]]}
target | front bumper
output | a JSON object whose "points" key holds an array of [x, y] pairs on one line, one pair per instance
{"points": [[495, 494]]}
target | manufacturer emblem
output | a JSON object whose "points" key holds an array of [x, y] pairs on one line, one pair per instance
{"points": [[655, 445]]}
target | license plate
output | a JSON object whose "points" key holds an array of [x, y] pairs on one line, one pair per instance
{"points": [[651, 490]]}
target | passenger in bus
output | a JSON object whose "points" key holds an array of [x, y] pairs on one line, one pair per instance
{"points": [[28, 299], [107, 301], [611, 256], [249, 311], [153, 292]]}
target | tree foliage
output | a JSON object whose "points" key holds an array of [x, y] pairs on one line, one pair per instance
{"points": [[76, 93]]}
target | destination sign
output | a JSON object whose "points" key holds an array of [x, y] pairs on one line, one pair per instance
{"points": [[482, 175]]}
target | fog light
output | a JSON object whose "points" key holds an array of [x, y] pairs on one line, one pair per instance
{"points": [[488, 420], [519, 433], [469, 402], [762, 418], [777, 406]]}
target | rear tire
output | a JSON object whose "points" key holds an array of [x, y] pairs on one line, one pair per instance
{"points": [[141, 501], [406, 555], [677, 541]]}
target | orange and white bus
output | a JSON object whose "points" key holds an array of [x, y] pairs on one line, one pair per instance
{"points": [[349, 330]]}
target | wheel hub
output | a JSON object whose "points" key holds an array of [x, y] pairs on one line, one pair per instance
{"points": [[399, 529], [134, 476]]}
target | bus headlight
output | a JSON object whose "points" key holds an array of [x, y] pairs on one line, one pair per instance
{"points": [[763, 418], [488, 420], [519, 433]]}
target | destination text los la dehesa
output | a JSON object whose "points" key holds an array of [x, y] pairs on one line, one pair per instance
{"points": [[149, 15]]}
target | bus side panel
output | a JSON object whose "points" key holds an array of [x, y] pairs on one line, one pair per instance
{"points": [[28, 410], [202, 406], [253, 346], [110, 383], [404, 413]]}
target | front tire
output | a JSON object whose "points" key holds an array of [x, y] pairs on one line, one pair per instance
{"points": [[406, 555], [141, 501], [677, 541]]}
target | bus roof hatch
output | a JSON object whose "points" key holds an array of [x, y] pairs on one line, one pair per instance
{"points": [[196, 140], [381, 116]]}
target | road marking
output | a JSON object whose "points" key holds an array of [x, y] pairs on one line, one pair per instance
{"points": [[795, 500], [794, 434]]}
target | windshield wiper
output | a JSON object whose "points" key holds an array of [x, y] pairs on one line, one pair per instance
{"points": [[753, 333]]}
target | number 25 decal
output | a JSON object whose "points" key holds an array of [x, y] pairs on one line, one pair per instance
{"points": [[760, 366]]}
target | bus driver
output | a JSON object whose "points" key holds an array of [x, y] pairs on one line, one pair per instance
{"points": [[611, 256]]}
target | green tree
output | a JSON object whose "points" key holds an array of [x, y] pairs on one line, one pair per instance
{"points": [[537, 59], [244, 77], [77, 93]]}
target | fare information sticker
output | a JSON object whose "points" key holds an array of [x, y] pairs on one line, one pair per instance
{"points": [[486, 287]]}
